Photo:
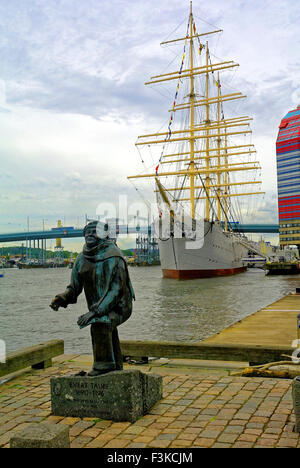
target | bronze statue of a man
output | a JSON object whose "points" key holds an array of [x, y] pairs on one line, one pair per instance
{"points": [[102, 272]]}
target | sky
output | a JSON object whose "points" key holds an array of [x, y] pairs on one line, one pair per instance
{"points": [[73, 100]]}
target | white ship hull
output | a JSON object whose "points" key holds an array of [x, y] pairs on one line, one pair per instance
{"points": [[220, 255]]}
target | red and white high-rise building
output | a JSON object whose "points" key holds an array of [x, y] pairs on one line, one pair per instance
{"points": [[288, 178]]}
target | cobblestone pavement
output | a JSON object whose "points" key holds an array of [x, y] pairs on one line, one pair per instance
{"points": [[198, 410]]}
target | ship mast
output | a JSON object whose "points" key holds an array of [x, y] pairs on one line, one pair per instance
{"points": [[219, 153], [212, 163], [207, 181], [192, 117]]}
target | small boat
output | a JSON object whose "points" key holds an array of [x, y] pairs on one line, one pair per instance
{"points": [[254, 261]]}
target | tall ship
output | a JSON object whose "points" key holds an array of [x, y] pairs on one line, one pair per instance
{"points": [[205, 165]]}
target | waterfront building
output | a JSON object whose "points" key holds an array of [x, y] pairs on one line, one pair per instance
{"points": [[288, 178]]}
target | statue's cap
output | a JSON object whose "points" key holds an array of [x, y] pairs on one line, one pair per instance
{"points": [[95, 225]]}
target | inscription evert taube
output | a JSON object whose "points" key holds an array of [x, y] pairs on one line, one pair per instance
{"points": [[85, 393], [88, 388]]}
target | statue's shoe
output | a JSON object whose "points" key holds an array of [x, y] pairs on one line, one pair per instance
{"points": [[80, 374]]}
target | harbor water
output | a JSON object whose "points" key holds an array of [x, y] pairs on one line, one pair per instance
{"points": [[165, 310]]}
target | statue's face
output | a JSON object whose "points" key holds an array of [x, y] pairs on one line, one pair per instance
{"points": [[91, 238]]}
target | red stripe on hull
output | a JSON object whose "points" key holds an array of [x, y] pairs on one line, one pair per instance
{"points": [[193, 274]]}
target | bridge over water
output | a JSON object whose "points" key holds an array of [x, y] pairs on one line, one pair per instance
{"points": [[68, 233]]}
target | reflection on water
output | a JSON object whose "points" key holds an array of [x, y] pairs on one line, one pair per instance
{"points": [[165, 310]]}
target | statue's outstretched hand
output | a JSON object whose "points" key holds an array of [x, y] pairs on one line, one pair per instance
{"points": [[83, 320], [59, 301]]}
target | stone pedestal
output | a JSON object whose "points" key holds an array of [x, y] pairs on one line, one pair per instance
{"points": [[117, 396], [42, 435]]}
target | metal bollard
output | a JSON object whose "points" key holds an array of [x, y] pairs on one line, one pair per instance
{"points": [[296, 402]]}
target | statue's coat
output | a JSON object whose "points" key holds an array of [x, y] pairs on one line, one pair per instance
{"points": [[102, 273]]}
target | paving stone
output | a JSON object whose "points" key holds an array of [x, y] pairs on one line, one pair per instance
{"points": [[220, 445], [96, 444], [255, 426], [241, 444], [117, 443], [229, 438], [210, 411], [287, 442], [248, 437], [258, 419], [188, 435], [210, 434], [266, 442], [142, 439], [272, 430], [166, 437], [238, 422], [159, 443], [105, 424], [203, 442], [92, 432], [279, 417], [113, 430], [151, 432], [172, 431], [79, 427], [68, 421], [234, 429], [181, 444], [80, 442], [134, 430], [277, 424], [136, 445]]}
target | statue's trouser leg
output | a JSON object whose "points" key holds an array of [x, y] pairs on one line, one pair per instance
{"points": [[102, 342], [117, 350]]}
